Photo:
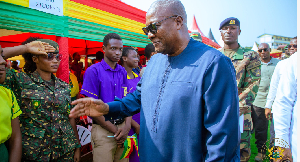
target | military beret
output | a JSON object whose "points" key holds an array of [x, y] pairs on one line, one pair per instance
{"points": [[230, 21], [196, 36], [52, 43]]}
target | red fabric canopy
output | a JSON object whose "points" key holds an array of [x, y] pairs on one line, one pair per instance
{"points": [[208, 41], [75, 45], [14, 40], [83, 47], [194, 28], [116, 7]]}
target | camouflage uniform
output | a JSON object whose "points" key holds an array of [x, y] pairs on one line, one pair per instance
{"points": [[283, 57], [47, 134], [247, 66]]}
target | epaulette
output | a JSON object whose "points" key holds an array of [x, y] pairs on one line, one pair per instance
{"points": [[246, 50], [63, 83]]}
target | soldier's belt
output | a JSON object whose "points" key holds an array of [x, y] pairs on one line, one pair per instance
{"points": [[115, 122]]}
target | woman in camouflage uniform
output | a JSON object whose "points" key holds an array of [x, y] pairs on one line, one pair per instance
{"points": [[47, 132]]}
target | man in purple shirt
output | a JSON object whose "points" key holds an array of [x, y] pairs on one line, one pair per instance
{"points": [[106, 80]]}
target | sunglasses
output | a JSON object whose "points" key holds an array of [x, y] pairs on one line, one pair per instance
{"points": [[153, 28], [50, 56], [265, 49], [295, 46]]}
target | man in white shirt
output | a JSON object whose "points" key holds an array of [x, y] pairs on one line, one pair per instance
{"points": [[279, 70], [285, 110]]}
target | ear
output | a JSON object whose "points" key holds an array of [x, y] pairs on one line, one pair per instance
{"points": [[240, 31], [35, 59], [179, 22], [104, 49], [124, 58]]}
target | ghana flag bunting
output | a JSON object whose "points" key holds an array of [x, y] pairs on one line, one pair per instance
{"points": [[129, 144]]}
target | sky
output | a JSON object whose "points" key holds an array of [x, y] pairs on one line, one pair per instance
{"points": [[257, 17]]}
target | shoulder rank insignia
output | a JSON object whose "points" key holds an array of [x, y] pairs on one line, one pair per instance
{"points": [[232, 22], [36, 103]]}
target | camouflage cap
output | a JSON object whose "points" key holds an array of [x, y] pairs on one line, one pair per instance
{"points": [[52, 43], [229, 21], [196, 36]]}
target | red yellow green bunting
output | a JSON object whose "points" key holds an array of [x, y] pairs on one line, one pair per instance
{"points": [[130, 143]]}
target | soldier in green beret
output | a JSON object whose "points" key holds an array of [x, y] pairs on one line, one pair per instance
{"points": [[47, 132], [247, 65]]}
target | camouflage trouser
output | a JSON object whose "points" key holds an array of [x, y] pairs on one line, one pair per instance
{"points": [[245, 149], [68, 157]]}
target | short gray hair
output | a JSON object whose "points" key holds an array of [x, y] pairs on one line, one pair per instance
{"points": [[174, 6]]}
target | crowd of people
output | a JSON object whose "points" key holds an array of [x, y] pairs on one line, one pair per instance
{"points": [[189, 102]]}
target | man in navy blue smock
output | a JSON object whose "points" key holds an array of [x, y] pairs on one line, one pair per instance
{"points": [[187, 97]]}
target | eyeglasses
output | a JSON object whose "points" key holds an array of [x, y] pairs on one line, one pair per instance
{"points": [[153, 28], [290, 46], [50, 56], [265, 49]]}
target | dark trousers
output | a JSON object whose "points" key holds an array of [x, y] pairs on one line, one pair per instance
{"points": [[260, 125]]}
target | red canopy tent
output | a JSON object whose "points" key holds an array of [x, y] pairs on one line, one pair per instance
{"points": [[81, 29], [15, 40], [194, 28]]}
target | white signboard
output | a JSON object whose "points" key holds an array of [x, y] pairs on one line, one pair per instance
{"points": [[54, 7]]}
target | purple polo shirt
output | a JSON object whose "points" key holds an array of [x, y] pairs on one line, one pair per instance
{"points": [[102, 82]]}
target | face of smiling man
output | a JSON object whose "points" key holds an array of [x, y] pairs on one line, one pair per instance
{"points": [[169, 20]]}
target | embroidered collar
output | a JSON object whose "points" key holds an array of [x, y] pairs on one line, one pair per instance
{"points": [[107, 67]]}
